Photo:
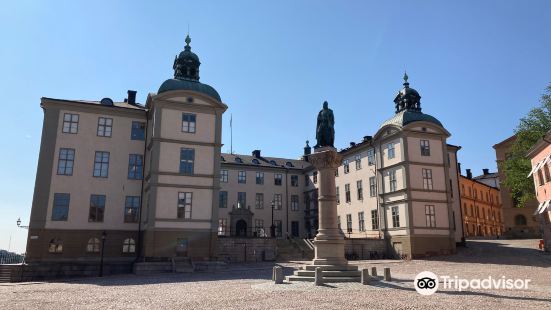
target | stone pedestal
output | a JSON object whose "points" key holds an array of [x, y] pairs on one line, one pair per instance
{"points": [[329, 242]]}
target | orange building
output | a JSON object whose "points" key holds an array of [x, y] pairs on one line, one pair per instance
{"points": [[480, 208]]}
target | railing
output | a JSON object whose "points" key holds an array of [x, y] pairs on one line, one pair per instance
{"points": [[11, 258]]}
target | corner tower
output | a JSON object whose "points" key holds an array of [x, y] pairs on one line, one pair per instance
{"points": [[184, 138]]}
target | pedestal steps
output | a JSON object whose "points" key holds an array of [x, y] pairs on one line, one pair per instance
{"points": [[330, 274]]}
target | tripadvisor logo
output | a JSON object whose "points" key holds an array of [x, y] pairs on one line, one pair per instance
{"points": [[427, 283]]}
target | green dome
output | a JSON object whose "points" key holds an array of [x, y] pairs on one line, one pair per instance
{"points": [[178, 84], [405, 117]]}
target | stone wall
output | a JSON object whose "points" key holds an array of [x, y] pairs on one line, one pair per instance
{"points": [[363, 248], [230, 249]]}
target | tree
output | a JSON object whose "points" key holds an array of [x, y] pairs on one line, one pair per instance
{"points": [[517, 166]]}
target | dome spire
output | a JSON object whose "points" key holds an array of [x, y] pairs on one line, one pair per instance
{"points": [[407, 99], [406, 77], [186, 65]]}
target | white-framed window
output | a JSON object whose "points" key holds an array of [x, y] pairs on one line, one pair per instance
{"points": [[70, 123], [346, 166], [242, 177], [129, 245], [131, 209], [427, 179], [242, 199], [222, 199], [358, 160], [370, 157], [430, 216], [187, 161], [360, 190], [97, 208], [395, 217], [361, 221], [101, 164], [349, 223], [347, 193], [278, 201], [374, 220], [259, 228], [338, 195], [184, 205], [259, 201], [222, 227], [188, 122], [65, 161], [391, 152], [260, 178], [425, 148], [278, 178], [372, 187], [93, 245], [294, 202], [392, 180], [105, 126], [315, 177], [224, 176], [294, 180]]}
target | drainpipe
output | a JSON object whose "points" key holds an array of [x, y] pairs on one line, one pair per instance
{"points": [[287, 200], [139, 243]]}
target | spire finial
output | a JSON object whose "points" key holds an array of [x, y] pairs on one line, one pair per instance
{"points": [[405, 77], [188, 40]]}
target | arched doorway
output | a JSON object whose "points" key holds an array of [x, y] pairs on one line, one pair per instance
{"points": [[241, 228]]}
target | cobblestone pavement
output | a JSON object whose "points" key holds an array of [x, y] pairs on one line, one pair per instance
{"points": [[247, 286]]}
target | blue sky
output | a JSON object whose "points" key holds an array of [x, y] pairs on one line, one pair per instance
{"points": [[478, 65]]}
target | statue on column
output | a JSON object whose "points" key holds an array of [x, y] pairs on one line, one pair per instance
{"points": [[325, 130]]}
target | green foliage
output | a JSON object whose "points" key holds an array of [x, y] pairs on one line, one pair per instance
{"points": [[517, 166]]}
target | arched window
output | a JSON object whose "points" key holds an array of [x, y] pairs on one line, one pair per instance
{"points": [[255, 161], [238, 160], [129, 246], [520, 220], [289, 164], [93, 245], [56, 246], [273, 162]]}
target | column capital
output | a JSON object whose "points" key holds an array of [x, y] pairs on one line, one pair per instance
{"points": [[325, 158]]}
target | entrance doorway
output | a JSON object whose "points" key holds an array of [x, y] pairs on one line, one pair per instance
{"points": [[294, 229], [241, 228]]}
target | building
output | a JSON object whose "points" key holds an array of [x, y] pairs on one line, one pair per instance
{"points": [[482, 215], [518, 222], [540, 158], [127, 181]]}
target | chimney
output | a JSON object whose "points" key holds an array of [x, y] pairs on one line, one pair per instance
{"points": [[469, 174], [256, 153], [486, 171], [132, 97], [352, 144], [459, 168], [367, 138]]}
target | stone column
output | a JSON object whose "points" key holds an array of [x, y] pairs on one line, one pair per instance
{"points": [[329, 242]]}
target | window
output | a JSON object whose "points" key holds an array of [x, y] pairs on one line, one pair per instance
{"points": [[370, 157], [390, 150], [138, 131], [429, 215], [361, 221], [277, 178], [188, 122], [105, 126], [184, 205], [129, 246], [347, 193], [259, 201], [338, 195], [339, 222], [256, 162], [374, 220], [306, 180], [55, 246], [392, 179], [349, 223], [294, 180], [520, 220], [60, 210], [358, 161], [222, 199], [277, 201], [135, 167], [66, 161], [97, 208], [131, 209], [372, 187], [101, 164], [187, 160], [93, 245], [346, 166], [294, 202], [360, 190], [70, 123], [451, 188], [241, 199], [546, 172], [260, 178], [259, 228], [541, 181], [242, 177], [425, 148], [427, 179], [337, 172], [222, 227], [315, 177], [224, 176], [395, 217], [278, 228]]}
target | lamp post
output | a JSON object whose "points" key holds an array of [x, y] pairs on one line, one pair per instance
{"points": [[21, 226], [272, 228], [103, 235]]}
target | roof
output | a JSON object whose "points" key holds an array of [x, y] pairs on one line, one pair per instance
{"points": [[405, 117], [542, 143], [178, 84], [124, 105], [490, 175], [476, 181], [247, 160], [506, 141]]}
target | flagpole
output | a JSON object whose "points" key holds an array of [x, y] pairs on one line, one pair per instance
{"points": [[231, 133]]}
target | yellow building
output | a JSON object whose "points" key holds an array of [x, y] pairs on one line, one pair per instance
{"points": [[481, 208]]}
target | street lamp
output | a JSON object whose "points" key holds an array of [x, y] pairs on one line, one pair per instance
{"points": [[272, 228], [103, 235], [19, 224]]}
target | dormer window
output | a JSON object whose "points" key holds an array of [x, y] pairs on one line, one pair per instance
{"points": [[289, 164], [255, 161], [238, 160], [273, 162], [222, 158]]}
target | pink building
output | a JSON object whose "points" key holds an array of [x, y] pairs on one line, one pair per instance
{"points": [[540, 156]]}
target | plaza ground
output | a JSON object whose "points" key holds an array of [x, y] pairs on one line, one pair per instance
{"points": [[249, 286]]}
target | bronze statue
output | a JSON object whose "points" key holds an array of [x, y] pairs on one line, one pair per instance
{"points": [[325, 130]]}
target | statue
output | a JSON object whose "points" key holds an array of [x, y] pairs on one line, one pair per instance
{"points": [[325, 131]]}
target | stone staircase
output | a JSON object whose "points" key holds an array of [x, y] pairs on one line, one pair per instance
{"points": [[5, 273], [294, 249], [331, 274]]}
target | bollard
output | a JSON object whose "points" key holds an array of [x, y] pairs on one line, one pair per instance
{"points": [[273, 273], [318, 280], [387, 274], [278, 275], [374, 272], [365, 276]]}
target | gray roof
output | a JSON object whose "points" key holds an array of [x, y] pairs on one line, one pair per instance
{"points": [[405, 117], [247, 160], [124, 105], [490, 175], [181, 84]]}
